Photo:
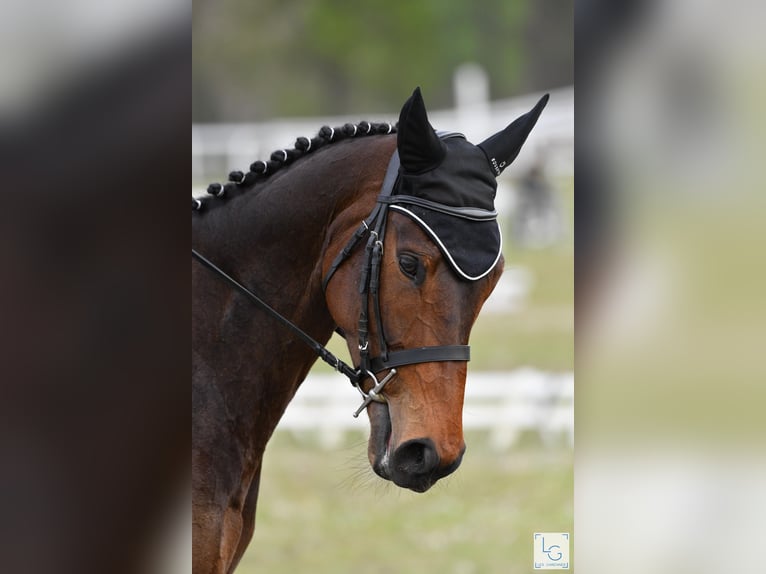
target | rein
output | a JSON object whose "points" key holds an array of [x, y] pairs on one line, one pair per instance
{"points": [[324, 353], [369, 291]]}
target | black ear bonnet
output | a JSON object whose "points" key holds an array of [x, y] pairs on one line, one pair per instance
{"points": [[447, 185]]}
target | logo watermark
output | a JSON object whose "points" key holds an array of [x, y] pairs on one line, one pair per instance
{"points": [[551, 550]]}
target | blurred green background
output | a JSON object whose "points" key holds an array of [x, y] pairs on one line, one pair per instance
{"points": [[260, 60], [324, 510]]}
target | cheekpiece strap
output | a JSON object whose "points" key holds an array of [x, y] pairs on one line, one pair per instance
{"points": [[389, 183]]}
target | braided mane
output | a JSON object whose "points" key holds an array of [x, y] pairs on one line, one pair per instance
{"points": [[261, 170]]}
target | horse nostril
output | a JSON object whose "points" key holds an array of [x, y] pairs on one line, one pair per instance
{"points": [[415, 458]]}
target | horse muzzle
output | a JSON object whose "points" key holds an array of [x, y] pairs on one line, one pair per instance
{"points": [[414, 464]]}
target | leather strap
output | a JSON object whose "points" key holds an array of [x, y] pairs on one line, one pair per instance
{"points": [[389, 182], [421, 355], [353, 375]]}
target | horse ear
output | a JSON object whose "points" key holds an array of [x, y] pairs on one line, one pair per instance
{"points": [[420, 149], [503, 147]]}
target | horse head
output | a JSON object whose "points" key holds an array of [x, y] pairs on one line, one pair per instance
{"points": [[439, 261]]}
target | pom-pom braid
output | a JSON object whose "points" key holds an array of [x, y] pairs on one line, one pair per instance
{"points": [[282, 157]]}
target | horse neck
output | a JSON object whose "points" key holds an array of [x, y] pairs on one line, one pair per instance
{"points": [[273, 239]]}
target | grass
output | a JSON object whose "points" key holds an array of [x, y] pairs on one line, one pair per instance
{"points": [[326, 512]]}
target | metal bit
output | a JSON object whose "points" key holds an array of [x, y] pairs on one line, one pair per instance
{"points": [[374, 394]]}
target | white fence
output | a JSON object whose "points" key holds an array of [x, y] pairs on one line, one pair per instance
{"points": [[220, 148], [506, 404]]}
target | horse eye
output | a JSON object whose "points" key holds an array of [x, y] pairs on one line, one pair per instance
{"points": [[409, 265]]}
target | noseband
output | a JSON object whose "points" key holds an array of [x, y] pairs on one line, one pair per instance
{"points": [[374, 228]]}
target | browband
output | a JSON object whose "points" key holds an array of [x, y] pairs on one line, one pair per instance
{"points": [[471, 213]]}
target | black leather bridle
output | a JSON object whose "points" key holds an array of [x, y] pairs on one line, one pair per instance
{"points": [[374, 228]]}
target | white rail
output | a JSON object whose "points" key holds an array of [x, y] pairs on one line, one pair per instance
{"points": [[220, 148], [506, 404]]}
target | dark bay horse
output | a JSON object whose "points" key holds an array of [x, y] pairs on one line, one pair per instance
{"points": [[388, 236]]}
